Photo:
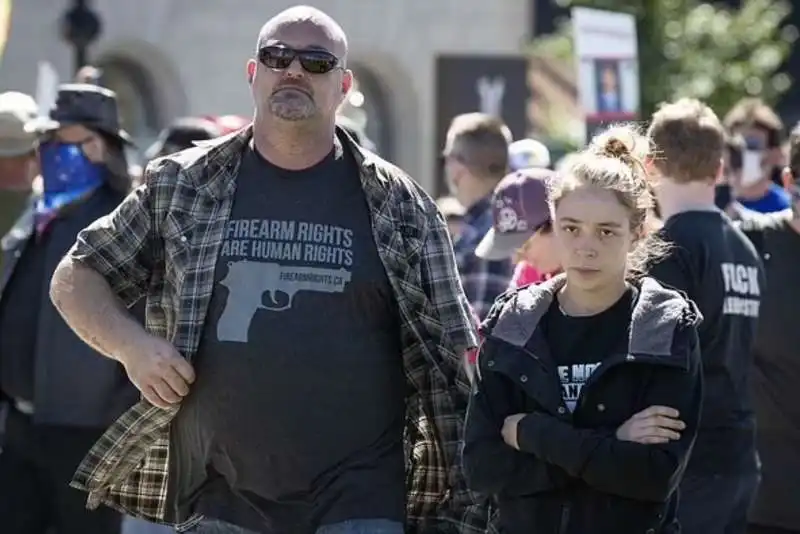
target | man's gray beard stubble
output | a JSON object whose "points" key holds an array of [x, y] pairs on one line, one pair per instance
{"points": [[292, 109]]}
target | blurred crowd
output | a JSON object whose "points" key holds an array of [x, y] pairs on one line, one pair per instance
{"points": [[501, 217]]}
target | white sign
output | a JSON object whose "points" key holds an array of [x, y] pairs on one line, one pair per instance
{"points": [[608, 65], [46, 88], [490, 95]]}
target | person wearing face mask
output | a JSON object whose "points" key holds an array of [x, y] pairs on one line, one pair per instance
{"points": [[58, 394], [18, 165], [776, 369], [758, 185]]}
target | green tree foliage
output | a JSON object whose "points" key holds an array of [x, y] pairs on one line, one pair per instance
{"points": [[691, 48]]}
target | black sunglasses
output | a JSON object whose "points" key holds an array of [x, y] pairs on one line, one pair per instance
{"points": [[312, 61]]}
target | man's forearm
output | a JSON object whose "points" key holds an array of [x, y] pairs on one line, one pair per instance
{"points": [[93, 311]]}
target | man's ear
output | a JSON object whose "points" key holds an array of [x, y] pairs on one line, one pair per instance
{"points": [[347, 81], [251, 71]]}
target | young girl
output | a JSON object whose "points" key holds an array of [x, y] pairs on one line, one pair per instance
{"points": [[535, 260], [588, 389]]}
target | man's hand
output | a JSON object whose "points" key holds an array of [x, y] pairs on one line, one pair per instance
{"points": [[510, 429], [158, 370], [651, 426]]}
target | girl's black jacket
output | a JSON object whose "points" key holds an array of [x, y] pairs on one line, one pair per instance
{"points": [[571, 474]]}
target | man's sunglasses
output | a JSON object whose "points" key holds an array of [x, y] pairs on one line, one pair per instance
{"points": [[312, 61]]}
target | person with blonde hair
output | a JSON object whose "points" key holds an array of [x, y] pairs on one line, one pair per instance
{"points": [[588, 389]]}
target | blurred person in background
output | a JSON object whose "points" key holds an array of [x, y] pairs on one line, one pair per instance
{"points": [[60, 395], [18, 163], [729, 182], [528, 154], [776, 373], [475, 160], [229, 123], [453, 213], [89, 74], [521, 227], [261, 296], [758, 186], [356, 132], [715, 265], [182, 134]]}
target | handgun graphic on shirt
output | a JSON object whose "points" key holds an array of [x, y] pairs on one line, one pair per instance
{"points": [[254, 286]]}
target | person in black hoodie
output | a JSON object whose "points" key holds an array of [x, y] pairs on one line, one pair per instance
{"points": [[776, 357], [588, 392], [718, 268]]}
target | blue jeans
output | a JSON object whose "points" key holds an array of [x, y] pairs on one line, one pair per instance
{"points": [[354, 526]]}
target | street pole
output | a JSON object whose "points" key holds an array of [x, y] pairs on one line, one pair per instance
{"points": [[80, 27]]}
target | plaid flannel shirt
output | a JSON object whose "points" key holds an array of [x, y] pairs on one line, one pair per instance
{"points": [[162, 243], [483, 280]]}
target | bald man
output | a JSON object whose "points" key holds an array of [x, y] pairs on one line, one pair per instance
{"points": [[305, 314]]}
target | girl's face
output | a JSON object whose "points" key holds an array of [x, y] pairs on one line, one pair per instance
{"points": [[538, 251], [592, 237]]}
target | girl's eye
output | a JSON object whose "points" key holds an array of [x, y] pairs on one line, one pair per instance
{"points": [[570, 229], [606, 233]]}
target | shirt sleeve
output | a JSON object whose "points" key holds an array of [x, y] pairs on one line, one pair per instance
{"points": [[442, 284], [484, 281], [121, 245], [675, 270]]}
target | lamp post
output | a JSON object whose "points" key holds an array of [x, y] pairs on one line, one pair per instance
{"points": [[80, 27]]}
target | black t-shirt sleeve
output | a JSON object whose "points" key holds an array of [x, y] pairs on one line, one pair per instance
{"points": [[756, 225], [675, 270]]}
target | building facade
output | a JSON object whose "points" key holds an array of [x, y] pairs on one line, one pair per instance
{"points": [[168, 58]]}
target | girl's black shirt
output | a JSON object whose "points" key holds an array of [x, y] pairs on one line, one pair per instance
{"points": [[578, 344]]}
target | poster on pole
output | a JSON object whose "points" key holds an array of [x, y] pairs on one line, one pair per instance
{"points": [[608, 67]]}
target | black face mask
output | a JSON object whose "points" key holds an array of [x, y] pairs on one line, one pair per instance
{"points": [[722, 196]]}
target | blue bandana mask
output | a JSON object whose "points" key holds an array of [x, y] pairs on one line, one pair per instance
{"points": [[68, 175]]}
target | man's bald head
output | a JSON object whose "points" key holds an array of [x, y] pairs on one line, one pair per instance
{"points": [[329, 30]]}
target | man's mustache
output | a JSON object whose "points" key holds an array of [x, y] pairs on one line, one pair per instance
{"points": [[297, 86]]}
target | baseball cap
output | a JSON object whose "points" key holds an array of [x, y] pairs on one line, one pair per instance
{"points": [[519, 208], [528, 153], [16, 110]]}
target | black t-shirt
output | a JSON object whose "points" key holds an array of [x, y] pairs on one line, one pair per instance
{"points": [[718, 268], [299, 401], [776, 373], [578, 344]]}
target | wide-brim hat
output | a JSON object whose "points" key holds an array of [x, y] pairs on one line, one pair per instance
{"points": [[87, 105], [16, 110]]}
